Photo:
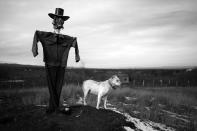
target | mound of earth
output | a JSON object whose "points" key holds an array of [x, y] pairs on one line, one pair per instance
{"points": [[81, 118]]}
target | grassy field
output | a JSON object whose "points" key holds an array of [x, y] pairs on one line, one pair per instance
{"points": [[175, 107]]}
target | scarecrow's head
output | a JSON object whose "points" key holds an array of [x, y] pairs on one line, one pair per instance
{"points": [[58, 18]]}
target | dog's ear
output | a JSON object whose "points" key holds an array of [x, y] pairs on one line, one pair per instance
{"points": [[114, 76]]}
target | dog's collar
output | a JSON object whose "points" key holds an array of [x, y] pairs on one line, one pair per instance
{"points": [[111, 85]]}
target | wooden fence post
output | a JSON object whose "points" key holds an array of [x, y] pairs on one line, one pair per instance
{"points": [[161, 82], [143, 83]]}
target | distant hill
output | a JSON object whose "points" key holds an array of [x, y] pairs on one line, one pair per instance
{"points": [[16, 75]]}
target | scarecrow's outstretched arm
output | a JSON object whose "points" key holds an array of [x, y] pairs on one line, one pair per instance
{"points": [[34, 45], [75, 45]]}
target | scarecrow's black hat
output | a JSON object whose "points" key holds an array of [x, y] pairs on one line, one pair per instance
{"points": [[59, 12]]}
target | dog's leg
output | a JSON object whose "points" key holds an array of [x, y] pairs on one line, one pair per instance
{"points": [[105, 102], [98, 101], [84, 101], [84, 97]]}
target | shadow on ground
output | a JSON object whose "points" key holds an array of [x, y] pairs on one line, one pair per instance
{"points": [[81, 118]]}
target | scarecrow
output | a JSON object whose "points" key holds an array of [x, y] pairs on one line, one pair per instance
{"points": [[56, 48]]}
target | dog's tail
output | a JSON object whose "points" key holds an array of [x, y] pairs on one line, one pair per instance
{"points": [[83, 86]]}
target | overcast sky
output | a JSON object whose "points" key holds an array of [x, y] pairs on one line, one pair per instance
{"points": [[111, 33]]}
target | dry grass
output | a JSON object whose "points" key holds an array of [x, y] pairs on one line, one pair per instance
{"points": [[170, 95]]}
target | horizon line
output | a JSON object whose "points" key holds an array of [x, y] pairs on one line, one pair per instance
{"points": [[157, 67]]}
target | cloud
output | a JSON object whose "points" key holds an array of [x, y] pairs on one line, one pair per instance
{"points": [[110, 33]]}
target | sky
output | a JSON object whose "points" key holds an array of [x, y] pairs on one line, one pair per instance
{"points": [[110, 33]]}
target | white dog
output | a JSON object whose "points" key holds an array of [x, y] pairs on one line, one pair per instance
{"points": [[102, 89]]}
